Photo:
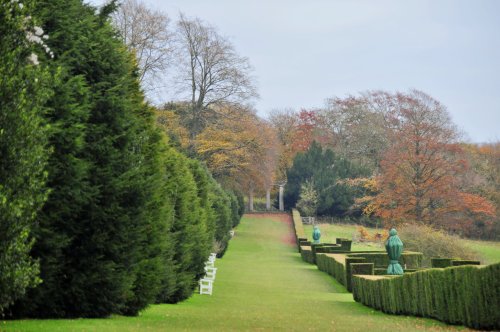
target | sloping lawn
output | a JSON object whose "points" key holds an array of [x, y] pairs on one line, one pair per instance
{"points": [[261, 285], [489, 251]]}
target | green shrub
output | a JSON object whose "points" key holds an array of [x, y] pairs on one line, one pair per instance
{"points": [[307, 254], [222, 208], [348, 262], [381, 259], [440, 262], [337, 267], [362, 268], [468, 295], [333, 264], [103, 232], [298, 227], [297, 224], [235, 209], [433, 243], [457, 262]]}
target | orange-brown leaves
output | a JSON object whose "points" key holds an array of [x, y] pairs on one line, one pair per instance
{"points": [[420, 171], [239, 148]]}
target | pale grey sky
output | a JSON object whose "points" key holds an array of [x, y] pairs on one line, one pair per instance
{"points": [[306, 51]]}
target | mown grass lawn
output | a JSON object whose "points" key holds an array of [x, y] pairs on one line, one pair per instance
{"points": [[488, 251], [261, 285]]}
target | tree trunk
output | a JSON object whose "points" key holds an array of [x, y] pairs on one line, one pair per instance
{"points": [[268, 199], [250, 200], [282, 204]]}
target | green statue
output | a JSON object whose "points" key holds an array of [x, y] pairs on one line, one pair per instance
{"points": [[316, 234], [394, 248]]}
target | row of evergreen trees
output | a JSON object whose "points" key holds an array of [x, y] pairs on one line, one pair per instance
{"points": [[98, 213]]}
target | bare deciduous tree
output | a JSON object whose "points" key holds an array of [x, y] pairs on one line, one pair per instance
{"points": [[146, 33], [211, 69]]}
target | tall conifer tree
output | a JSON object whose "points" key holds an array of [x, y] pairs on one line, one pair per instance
{"points": [[188, 228], [103, 240]]}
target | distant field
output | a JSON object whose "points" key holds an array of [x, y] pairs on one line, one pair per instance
{"points": [[489, 251]]}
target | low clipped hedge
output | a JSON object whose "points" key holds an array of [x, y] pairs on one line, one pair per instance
{"points": [[459, 262], [440, 262], [466, 295], [408, 260], [447, 262], [361, 268], [338, 265], [334, 265], [307, 254], [298, 227]]}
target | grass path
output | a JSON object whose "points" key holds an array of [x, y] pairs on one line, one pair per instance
{"points": [[261, 285]]}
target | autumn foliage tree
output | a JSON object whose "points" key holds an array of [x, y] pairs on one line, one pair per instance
{"points": [[419, 172], [296, 131], [239, 149], [356, 127], [483, 178], [284, 123]]}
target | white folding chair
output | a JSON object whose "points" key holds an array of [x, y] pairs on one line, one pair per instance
{"points": [[210, 273], [206, 286]]}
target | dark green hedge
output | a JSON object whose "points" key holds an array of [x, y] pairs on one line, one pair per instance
{"points": [[468, 295], [361, 269], [348, 273], [338, 265], [408, 260], [457, 262], [307, 254], [298, 227], [447, 262], [440, 262], [334, 265]]}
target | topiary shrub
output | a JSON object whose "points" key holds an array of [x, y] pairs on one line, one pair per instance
{"points": [[457, 262], [307, 254], [440, 262], [433, 243]]}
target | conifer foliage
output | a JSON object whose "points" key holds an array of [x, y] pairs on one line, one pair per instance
{"points": [[23, 151], [123, 219], [102, 226], [324, 169]]}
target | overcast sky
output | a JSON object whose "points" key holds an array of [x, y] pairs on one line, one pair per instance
{"points": [[306, 51]]}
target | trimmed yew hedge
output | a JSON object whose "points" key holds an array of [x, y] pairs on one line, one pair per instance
{"points": [[447, 262], [466, 295], [334, 265], [338, 265], [300, 235], [307, 254], [459, 262], [408, 260]]}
